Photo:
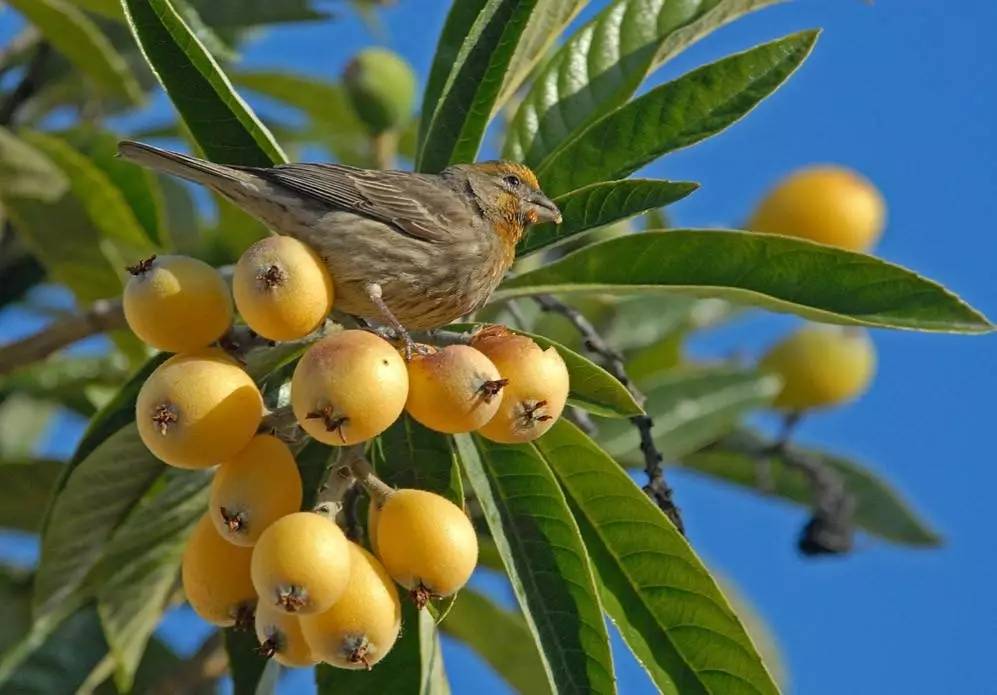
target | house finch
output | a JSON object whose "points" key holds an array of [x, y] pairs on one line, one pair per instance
{"points": [[416, 250]]}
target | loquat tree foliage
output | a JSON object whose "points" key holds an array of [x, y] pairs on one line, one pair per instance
{"points": [[320, 493]]}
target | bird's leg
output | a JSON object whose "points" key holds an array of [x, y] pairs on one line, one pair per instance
{"points": [[374, 294]]}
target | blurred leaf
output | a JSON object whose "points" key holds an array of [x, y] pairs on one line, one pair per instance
{"points": [[473, 54], [547, 564], [592, 388], [76, 36], [668, 608], [546, 24], [139, 567], [409, 455], [313, 459], [182, 226], [501, 637], [15, 605], [601, 65], [600, 204], [252, 673], [219, 120], [27, 173], [122, 238], [241, 14], [23, 421], [20, 272], [109, 9], [690, 408], [758, 629], [215, 45], [24, 490], [414, 666], [773, 272], [98, 495], [674, 115], [880, 510]]}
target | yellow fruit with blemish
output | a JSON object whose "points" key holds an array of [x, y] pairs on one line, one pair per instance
{"points": [[253, 489], [426, 542], [829, 204], [455, 389], [537, 388], [821, 366], [349, 387], [198, 409], [282, 288], [177, 303], [360, 629], [216, 578], [301, 563], [281, 638]]}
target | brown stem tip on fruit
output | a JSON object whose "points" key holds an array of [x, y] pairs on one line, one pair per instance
{"points": [[531, 415], [421, 595], [292, 598], [358, 655], [268, 647], [142, 266], [333, 422], [163, 416], [271, 277], [245, 616], [234, 521], [491, 388]]}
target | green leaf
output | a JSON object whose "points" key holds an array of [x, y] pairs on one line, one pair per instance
{"points": [[674, 115], [76, 37], [475, 48], [241, 14], [592, 388], [811, 280], [690, 408], [600, 67], [668, 608], [97, 497], [546, 561], [122, 238], [219, 120], [252, 673], [600, 204], [25, 487], [546, 24], [501, 637], [880, 510], [414, 666], [23, 421], [109, 9], [27, 173], [66, 379], [139, 567], [409, 455]]}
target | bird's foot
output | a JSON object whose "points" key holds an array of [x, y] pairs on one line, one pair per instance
{"points": [[409, 346]]}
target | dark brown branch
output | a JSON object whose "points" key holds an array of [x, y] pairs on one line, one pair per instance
{"points": [[657, 487]]}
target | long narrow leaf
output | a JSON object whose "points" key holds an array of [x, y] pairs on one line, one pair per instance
{"points": [[773, 272]]}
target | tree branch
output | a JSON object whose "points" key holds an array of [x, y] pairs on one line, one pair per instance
{"points": [[657, 487]]}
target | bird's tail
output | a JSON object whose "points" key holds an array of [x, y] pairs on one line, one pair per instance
{"points": [[216, 176]]}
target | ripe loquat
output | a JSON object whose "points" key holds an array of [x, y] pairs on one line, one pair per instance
{"points": [[177, 303], [198, 409], [537, 387], [282, 288], [349, 387], [426, 543], [456, 389], [253, 489], [360, 628], [301, 563], [281, 638], [821, 366], [829, 204], [215, 577]]}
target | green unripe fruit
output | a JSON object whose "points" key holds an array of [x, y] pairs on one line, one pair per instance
{"points": [[382, 88]]}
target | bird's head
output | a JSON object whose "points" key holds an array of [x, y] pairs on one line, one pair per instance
{"points": [[509, 193]]}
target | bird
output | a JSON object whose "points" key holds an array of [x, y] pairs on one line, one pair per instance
{"points": [[415, 251]]}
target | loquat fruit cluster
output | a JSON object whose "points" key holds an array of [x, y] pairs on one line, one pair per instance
{"points": [[256, 559]]}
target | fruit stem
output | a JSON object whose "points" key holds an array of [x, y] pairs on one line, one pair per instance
{"points": [[377, 489]]}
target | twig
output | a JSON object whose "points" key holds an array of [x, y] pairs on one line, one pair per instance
{"points": [[584, 422], [104, 315], [657, 487], [205, 666]]}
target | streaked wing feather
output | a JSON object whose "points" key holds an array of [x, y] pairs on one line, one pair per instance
{"points": [[392, 197]]}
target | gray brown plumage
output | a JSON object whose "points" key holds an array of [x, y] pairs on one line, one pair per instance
{"points": [[434, 247]]}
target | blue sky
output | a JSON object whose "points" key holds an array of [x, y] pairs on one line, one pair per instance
{"points": [[904, 91]]}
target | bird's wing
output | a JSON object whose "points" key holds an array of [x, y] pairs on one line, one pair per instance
{"points": [[417, 205]]}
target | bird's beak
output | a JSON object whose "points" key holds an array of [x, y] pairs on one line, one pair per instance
{"points": [[542, 209]]}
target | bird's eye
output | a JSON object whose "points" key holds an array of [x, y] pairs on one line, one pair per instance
{"points": [[512, 180]]}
